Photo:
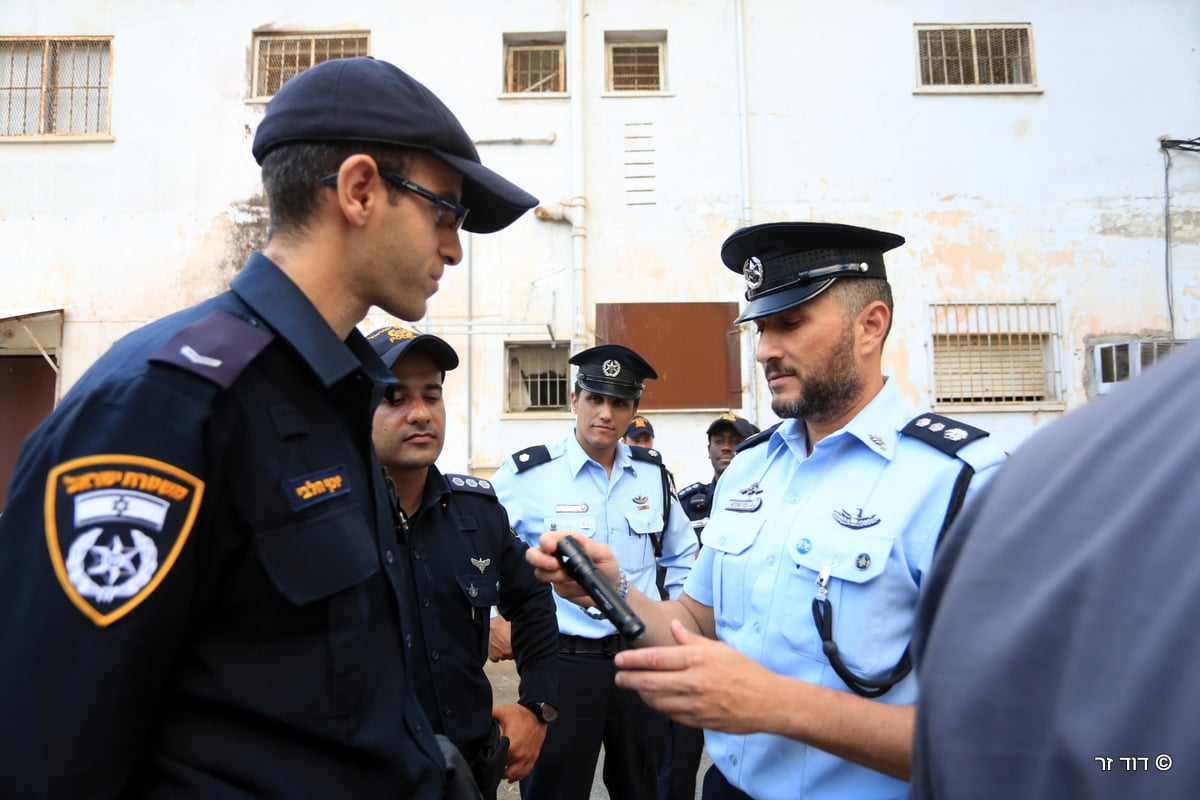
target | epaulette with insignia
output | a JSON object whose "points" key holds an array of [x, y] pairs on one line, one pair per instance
{"points": [[646, 454], [469, 483], [942, 433], [690, 490], [531, 457], [217, 348], [757, 438]]}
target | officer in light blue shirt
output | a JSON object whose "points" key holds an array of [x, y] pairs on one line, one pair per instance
{"points": [[821, 533], [601, 489]]}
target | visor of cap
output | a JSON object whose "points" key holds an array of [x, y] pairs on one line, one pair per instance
{"points": [[443, 355], [768, 304], [363, 99]]}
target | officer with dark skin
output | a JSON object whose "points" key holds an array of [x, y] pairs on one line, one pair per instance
{"points": [[465, 559], [685, 744]]}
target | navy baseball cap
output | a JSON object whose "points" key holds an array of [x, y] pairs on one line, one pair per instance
{"points": [[612, 369], [364, 99], [788, 263], [392, 342], [741, 426], [638, 426]]}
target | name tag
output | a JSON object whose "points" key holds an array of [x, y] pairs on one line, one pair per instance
{"points": [[744, 505], [571, 508]]}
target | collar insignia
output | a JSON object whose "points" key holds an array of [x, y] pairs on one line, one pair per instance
{"points": [[481, 564], [855, 520]]}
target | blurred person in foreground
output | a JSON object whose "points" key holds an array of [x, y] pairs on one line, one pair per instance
{"points": [[837, 510]]}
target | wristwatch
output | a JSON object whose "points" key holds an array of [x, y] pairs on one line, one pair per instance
{"points": [[543, 711]]}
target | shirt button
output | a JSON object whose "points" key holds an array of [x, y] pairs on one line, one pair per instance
{"points": [[733, 760], [770, 560], [435, 655], [388, 555], [758, 627], [425, 603]]}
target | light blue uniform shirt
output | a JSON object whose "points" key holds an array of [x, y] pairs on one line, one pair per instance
{"points": [[867, 506], [572, 492]]}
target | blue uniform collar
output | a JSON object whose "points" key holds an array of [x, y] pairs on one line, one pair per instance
{"points": [[577, 457], [280, 303]]}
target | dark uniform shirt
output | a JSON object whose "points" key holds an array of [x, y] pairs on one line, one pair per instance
{"points": [[203, 590], [466, 559], [696, 500]]}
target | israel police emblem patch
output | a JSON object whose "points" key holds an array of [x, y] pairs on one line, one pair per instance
{"points": [[115, 525]]}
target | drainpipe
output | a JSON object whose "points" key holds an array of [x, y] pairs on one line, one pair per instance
{"points": [[577, 206], [744, 170]]}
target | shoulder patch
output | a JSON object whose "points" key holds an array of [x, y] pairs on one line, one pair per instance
{"points": [[217, 348], [757, 438], [690, 490], [531, 457], [471, 484], [645, 454], [115, 524], [942, 433]]}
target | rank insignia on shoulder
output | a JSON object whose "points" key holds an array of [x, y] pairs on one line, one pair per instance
{"points": [[468, 483], [115, 525]]}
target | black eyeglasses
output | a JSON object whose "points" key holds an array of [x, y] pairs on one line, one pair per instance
{"points": [[447, 212]]}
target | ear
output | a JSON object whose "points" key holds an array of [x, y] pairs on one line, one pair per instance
{"points": [[358, 182], [873, 322], [574, 400]]}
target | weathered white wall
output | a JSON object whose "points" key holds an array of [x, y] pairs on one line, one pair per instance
{"points": [[1051, 196]]}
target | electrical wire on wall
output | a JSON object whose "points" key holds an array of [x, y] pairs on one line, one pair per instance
{"points": [[1168, 145]]}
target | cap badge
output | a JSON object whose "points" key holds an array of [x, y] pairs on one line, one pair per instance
{"points": [[855, 520], [752, 270], [481, 563], [639, 422], [612, 368]]}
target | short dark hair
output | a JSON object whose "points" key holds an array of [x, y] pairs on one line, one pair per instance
{"points": [[855, 294], [290, 173]]}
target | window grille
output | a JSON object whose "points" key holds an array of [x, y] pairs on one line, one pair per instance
{"points": [[979, 56], [1117, 362], [996, 353], [636, 66], [278, 57], [532, 68], [55, 86], [538, 377]]}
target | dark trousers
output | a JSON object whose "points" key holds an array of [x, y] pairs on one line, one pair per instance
{"points": [[685, 745], [593, 712], [717, 788]]}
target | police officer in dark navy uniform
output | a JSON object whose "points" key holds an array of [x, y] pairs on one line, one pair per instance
{"points": [[685, 744], [203, 592], [465, 559], [593, 484]]}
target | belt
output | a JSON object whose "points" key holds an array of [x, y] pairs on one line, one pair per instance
{"points": [[608, 647]]}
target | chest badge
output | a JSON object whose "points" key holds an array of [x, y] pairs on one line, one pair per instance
{"points": [[642, 502], [481, 563], [855, 520], [750, 500]]}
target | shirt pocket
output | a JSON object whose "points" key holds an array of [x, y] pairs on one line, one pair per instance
{"points": [[321, 566], [480, 591], [635, 551], [871, 596], [731, 564]]}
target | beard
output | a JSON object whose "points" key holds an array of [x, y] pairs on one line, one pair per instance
{"points": [[829, 394]]}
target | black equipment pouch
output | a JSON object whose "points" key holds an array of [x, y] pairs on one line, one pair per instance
{"points": [[488, 766]]}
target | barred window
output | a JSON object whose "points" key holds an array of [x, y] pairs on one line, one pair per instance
{"points": [[279, 57], [996, 354], [538, 377], [978, 56], [532, 67], [55, 86], [1117, 362], [635, 61]]}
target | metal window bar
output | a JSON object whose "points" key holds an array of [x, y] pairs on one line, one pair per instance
{"points": [[54, 86], [538, 377], [535, 68], [636, 67], [281, 58], [996, 353], [975, 56]]}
